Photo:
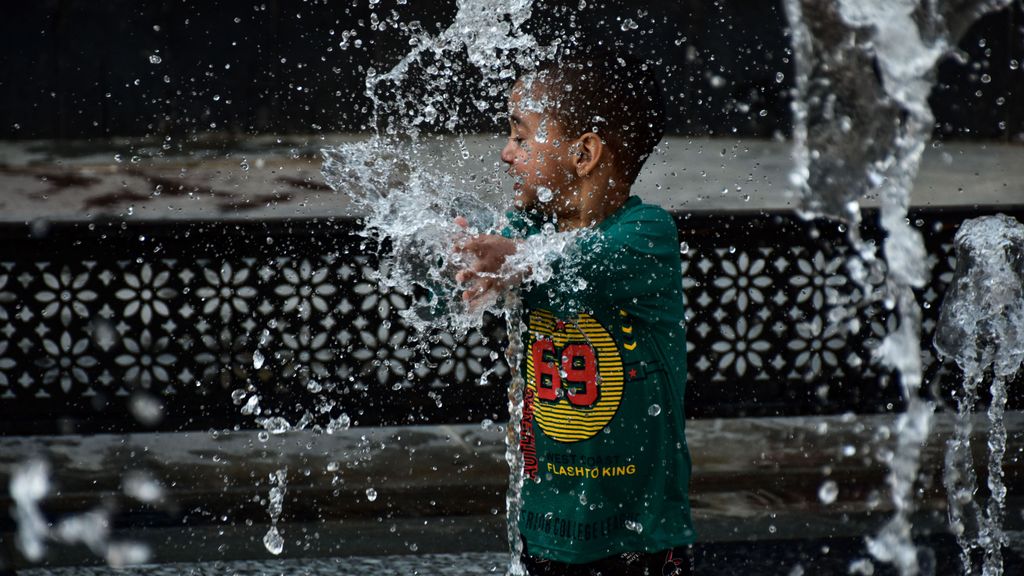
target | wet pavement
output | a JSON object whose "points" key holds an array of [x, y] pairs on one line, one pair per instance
{"points": [[938, 557], [469, 564]]}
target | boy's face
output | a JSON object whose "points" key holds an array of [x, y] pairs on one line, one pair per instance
{"points": [[537, 154]]}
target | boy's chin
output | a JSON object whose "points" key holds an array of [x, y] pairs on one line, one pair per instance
{"points": [[525, 200]]}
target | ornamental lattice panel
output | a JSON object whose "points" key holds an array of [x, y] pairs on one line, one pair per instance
{"points": [[184, 312]]}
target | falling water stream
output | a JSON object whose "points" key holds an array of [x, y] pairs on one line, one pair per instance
{"points": [[859, 132]]}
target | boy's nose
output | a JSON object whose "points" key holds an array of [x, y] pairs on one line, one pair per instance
{"points": [[508, 153]]}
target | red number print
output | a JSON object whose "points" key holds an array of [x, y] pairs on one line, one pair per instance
{"points": [[580, 366], [546, 375], [576, 362]]}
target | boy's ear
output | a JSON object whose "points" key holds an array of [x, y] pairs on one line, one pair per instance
{"points": [[588, 151]]}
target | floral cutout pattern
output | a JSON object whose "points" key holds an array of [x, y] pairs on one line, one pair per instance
{"points": [[755, 312], [65, 295], [146, 293]]}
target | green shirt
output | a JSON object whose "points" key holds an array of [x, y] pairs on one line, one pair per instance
{"points": [[606, 463]]}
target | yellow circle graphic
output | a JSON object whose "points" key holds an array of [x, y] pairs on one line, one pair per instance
{"points": [[577, 411]]}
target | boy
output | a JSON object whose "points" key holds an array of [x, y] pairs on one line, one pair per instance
{"points": [[604, 357]]}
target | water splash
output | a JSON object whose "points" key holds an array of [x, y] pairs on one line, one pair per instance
{"points": [[408, 205], [488, 34], [29, 486], [858, 132], [981, 328]]}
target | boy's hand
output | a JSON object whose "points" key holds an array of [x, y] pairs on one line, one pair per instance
{"points": [[489, 252]]}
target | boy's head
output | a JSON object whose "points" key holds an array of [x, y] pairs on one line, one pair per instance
{"points": [[581, 115]]}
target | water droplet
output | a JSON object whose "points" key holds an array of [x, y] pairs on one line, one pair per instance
{"points": [[123, 554], [252, 405], [654, 410], [684, 247], [244, 165], [276, 425], [155, 59], [828, 492], [629, 24], [371, 494], [487, 424], [634, 526], [273, 541], [257, 359], [542, 131], [545, 194], [338, 424], [779, 77], [142, 487], [146, 408]]}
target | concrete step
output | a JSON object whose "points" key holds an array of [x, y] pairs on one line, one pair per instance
{"points": [[70, 181]]}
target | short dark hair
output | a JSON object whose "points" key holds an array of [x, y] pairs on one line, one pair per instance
{"points": [[613, 95]]}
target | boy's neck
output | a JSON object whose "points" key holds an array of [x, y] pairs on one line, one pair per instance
{"points": [[594, 206]]}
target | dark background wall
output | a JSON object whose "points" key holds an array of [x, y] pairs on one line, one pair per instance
{"points": [[73, 69]]}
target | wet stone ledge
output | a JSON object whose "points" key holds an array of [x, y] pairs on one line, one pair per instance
{"points": [[277, 178], [442, 488]]}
